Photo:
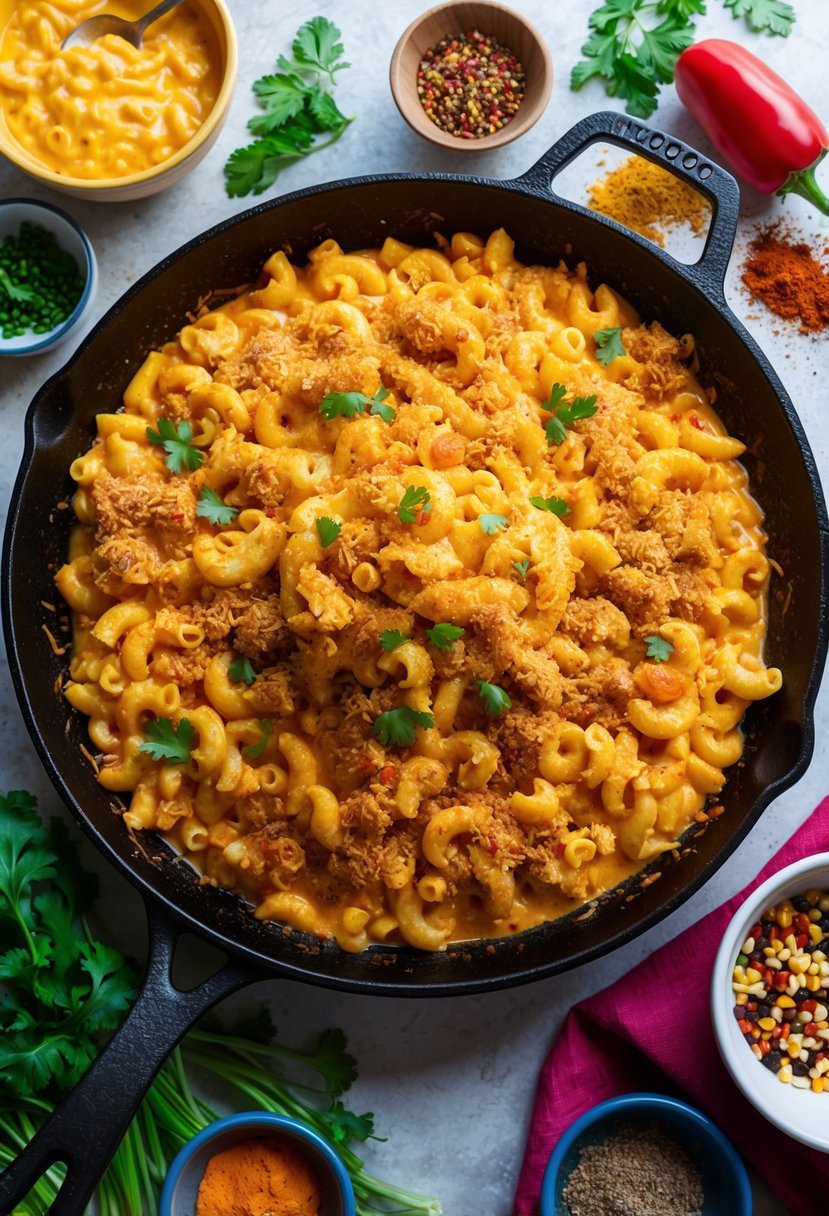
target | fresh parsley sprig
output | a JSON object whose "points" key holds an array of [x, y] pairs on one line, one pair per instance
{"points": [[399, 726], [328, 530], [522, 567], [495, 699], [415, 500], [390, 639], [658, 648], [565, 413], [214, 509], [349, 405], [165, 741], [255, 750], [490, 524], [296, 109], [177, 443], [444, 636], [770, 16], [556, 506], [609, 344], [242, 671]]}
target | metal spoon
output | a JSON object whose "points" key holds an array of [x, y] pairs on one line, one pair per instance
{"points": [[131, 31]]}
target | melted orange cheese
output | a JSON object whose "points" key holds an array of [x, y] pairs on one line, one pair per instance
{"points": [[106, 110]]}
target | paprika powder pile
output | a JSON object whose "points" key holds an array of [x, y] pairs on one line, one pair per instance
{"points": [[258, 1178], [785, 275], [647, 198]]}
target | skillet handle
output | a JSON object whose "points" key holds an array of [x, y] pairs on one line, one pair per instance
{"points": [[710, 179], [86, 1128]]}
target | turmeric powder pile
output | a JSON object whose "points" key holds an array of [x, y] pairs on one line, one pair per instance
{"points": [[258, 1178], [648, 199]]}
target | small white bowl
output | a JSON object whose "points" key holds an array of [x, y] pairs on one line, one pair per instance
{"points": [[799, 1113], [71, 237]]}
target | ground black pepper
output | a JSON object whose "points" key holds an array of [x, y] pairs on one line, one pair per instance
{"points": [[470, 85], [637, 1171]]}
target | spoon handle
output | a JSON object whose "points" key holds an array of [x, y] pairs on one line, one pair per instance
{"points": [[155, 13]]}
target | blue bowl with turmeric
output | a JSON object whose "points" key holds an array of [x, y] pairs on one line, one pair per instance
{"points": [[645, 1153], [254, 1163]]}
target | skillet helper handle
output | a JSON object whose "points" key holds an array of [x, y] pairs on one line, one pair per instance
{"points": [[86, 1128], [710, 179]]}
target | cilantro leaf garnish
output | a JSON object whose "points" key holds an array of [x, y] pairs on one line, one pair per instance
{"points": [[295, 109], [633, 46], [212, 508], [241, 671], [495, 699], [398, 726], [165, 741], [444, 636], [490, 524], [608, 345], [775, 16], [349, 405], [255, 750], [415, 498], [390, 639], [522, 567], [176, 441], [659, 649], [565, 413], [328, 530], [556, 506]]}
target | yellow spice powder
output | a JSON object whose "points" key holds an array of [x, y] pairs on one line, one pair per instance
{"points": [[648, 199]]}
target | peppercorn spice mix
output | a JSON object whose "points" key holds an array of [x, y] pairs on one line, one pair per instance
{"points": [[781, 986], [470, 85]]}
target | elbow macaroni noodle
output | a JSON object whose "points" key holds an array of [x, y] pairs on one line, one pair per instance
{"points": [[106, 110], [627, 632]]}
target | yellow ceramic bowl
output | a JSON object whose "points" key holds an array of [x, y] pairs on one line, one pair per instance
{"points": [[168, 172]]}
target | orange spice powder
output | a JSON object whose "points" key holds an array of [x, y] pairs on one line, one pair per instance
{"points": [[647, 198], [785, 275], [258, 1178]]}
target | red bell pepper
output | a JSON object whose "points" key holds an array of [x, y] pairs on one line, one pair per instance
{"points": [[759, 123]]}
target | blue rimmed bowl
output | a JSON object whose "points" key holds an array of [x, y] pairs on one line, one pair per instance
{"points": [[71, 237], [726, 1185], [181, 1186]]}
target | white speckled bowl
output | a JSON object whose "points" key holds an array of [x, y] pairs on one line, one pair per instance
{"points": [[799, 1113], [71, 237]]}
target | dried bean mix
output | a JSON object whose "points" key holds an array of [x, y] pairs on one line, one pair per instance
{"points": [[470, 85], [781, 986]]}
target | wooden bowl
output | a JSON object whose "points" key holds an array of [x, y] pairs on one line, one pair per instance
{"points": [[503, 24]]}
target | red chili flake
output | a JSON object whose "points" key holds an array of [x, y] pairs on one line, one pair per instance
{"points": [[422, 518], [366, 763], [560, 850], [178, 515], [694, 421], [493, 845], [387, 774]]}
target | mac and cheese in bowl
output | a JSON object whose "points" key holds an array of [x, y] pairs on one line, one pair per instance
{"points": [[419, 594]]}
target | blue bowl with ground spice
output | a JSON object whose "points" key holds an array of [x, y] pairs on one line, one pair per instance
{"points": [[48, 276], [265, 1156], [645, 1155]]}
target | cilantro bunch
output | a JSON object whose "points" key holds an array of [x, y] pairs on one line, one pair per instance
{"points": [[634, 44], [296, 109], [63, 990]]}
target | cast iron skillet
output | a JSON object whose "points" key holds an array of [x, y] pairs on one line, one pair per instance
{"points": [[86, 1129]]}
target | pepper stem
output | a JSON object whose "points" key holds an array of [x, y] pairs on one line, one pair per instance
{"points": [[802, 182]]}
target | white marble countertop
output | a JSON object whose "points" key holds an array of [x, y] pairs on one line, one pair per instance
{"points": [[451, 1081]]}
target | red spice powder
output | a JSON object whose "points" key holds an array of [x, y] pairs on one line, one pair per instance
{"points": [[786, 276]]}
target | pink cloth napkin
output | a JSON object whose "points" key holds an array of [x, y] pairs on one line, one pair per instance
{"points": [[652, 1030]]}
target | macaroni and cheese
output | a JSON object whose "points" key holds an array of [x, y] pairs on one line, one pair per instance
{"points": [[418, 593], [106, 110]]}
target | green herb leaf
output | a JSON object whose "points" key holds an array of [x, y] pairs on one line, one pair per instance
{"points": [[176, 443], [165, 741], [390, 639], [349, 405], [775, 16], [495, 699], [490, 524], [398, 726], [241, 671], [212, 508], [325, 112], [254, 168], [633, 46], [317, 47], [328, 530], [659, 649], [565, 413], [415, 499], [522, 567], [608, 345], [556, 397], [281, 96], [556, 506], [255, 750], [444, 636]]}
